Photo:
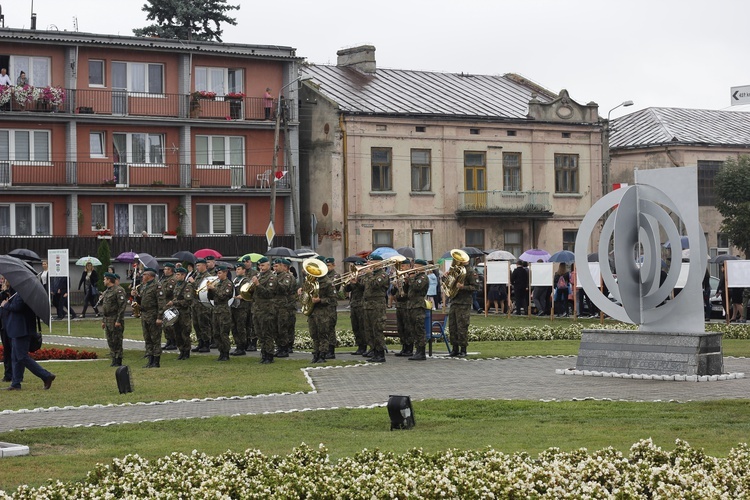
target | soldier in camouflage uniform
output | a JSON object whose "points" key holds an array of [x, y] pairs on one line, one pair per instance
{"points": [[264, 315], [286, 308], [113, 302], [152, 312], [459, 313], [416, 286], [252, 337], [376, 286], [168, 284], [355, 291], [201, 311], [333, 277], [212, 270], [182, 299], [221, 291], [322, 318], [398, 291], [240, 310]]}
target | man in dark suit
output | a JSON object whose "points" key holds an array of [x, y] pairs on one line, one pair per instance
{"points": [[20, 322], [60, 297]]}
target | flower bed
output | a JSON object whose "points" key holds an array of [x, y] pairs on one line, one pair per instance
{"points": [[646, 471], [59, 354]]}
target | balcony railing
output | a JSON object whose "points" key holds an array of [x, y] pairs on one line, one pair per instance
{"points": [[123, 175], [142, 104], [504, 202]]}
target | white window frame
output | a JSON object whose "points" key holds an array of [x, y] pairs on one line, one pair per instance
{"points": [[93, 222], [102, 141], [129, 141], [227, 220], [44, 162], [149, 226], [104, 73], [131, 77], [204, 76], [227, 151], [31, 73], [12, 221]]}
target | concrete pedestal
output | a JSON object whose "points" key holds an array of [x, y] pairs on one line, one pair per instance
{"points": [[631, 351]]}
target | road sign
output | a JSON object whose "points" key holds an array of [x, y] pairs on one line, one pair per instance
{"points": [[740, 95], [270, 233]]}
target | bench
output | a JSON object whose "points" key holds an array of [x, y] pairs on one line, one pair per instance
{"points": [[438, 324]]}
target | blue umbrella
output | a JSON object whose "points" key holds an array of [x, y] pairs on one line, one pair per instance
{"points": [[385, 252], [565, 256]]}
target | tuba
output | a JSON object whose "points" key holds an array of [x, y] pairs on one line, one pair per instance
{"points": [[456, 274], [315, 269], [247, 290], [136, 302]]}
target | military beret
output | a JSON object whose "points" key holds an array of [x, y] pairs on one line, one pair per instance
{"points": [[375, 257], [421, 262], [181, 270], [277, 261], [286, 262], [200, 261], [330, 260], [170, 265], [239, 265], [150, 270], [246, 258], [111, 276], [221, 267], [262, 260], [320, 258], [210, 257], [117, 276]]}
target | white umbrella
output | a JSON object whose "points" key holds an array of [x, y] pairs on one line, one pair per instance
{"points": [[501, 255], [85, 260]]}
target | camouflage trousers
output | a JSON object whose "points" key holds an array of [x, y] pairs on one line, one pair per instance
{"points": [[358, 328], [402, 324], [320, 323], [264, 322], [374, 325], [459, 316], [151, 334], [239, 326], [417, 332], [182, 330], [286, 318], [114, 336], [222, 323], [202, 322]]}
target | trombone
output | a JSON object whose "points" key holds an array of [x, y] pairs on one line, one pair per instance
{"points": [[422, 269], [355, 271]]}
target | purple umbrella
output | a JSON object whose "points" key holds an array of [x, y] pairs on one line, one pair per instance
{"points": [[535, 255], [126, 257]]}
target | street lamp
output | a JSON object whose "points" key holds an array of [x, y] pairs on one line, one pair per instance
{"points": [[276, 146], [608, 160]]}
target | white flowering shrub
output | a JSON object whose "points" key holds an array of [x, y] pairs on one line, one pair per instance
{"points": [[646, 472]]}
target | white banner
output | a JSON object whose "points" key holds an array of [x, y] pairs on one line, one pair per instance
{"points": [[542, 273], [57, 263], [498, 272]]}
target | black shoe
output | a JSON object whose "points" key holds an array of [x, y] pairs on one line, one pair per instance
{"points": [[197, 348], [212, 345], [331, 354], [320, 357], [224, 356], [406, 351], [282, 352], [253, 345], [419, 355], [369, 353], [360, 351], [203, 347], [48, 381], [378, 356], [150, 362], [169, 346], [237, 352], [462, 353], [454, 352]]}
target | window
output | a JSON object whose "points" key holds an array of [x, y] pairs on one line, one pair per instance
{"points": [[475, 238], [566, 173], [149, 218], [569, 239], [566, 135], [25, 145], [96, 145], [511, 171], [143, 78], [138, 148], [512, 242], [722, 240], [98, 216], [25, 219], [382, 238], [511, 133], [37, 69], [420, 170], [420, 129], [707, 170], [96, 73], [474, 131], [474, 170], [381, 169], [219, 150], [220, 219], [422, 244], [219, 80]]}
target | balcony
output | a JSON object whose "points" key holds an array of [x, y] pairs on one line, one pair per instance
{"points": [[529, 204], [103, 102], [109, 175]]}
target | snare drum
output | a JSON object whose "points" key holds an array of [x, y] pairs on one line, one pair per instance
{"points": [[202, 291], [170, 316]]}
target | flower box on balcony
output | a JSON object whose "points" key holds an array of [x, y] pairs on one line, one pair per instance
{"points": [[104, 237], [169, 235], [104, 234]]}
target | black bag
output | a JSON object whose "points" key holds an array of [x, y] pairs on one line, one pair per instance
{"points": [[35, 342], [122, 375]]}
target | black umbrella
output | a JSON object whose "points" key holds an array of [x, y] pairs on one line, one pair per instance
{"points": [[185, 256], [281, 252], [25, 254], [473, 251], [407, 252], [353, 258], [148, 260], [305, 252], [24, 281], [721, 258]]}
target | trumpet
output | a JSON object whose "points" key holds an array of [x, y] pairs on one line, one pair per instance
{"points": [[355, 271], [207, 284]]}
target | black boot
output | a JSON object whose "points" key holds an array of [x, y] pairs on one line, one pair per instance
{"points": [[331, 354], [186, 354], [169, 346], [223, 356], [369, 353], [315, 357], [181, 356], [454, 352], [197, 348], [319, 357], [253, 345], [419, 355], [204, 346], [116, 361], [150, 362], [378, 356], [361, 349], [238, 351], [266, 357], [462, 354], [406, 350], [156, 362], [282, 352]]}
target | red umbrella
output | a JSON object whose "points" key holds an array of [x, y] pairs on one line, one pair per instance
{"points": [[205, 252]]}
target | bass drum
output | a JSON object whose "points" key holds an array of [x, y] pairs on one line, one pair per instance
{"points": [[202, 291], [170, 316]]}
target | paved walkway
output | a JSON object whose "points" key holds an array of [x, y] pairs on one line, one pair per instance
{"points": [[369, 385]]}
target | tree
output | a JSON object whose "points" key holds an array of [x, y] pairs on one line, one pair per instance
{"points": [[187, 19], [732, 184], [104, 255]]}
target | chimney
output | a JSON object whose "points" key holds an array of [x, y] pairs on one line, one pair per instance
{"points": [[361, 58]]}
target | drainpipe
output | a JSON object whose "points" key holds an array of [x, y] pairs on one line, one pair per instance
{"points": [[345, 190]]}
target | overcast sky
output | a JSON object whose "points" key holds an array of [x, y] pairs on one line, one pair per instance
{"points": [[671, 53]]}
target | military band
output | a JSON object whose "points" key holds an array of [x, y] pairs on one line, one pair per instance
{"points": [[240, 310], [182, 300], [221, 292], [151, 299], [113, 302], [202, 312], [167, 284]]}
